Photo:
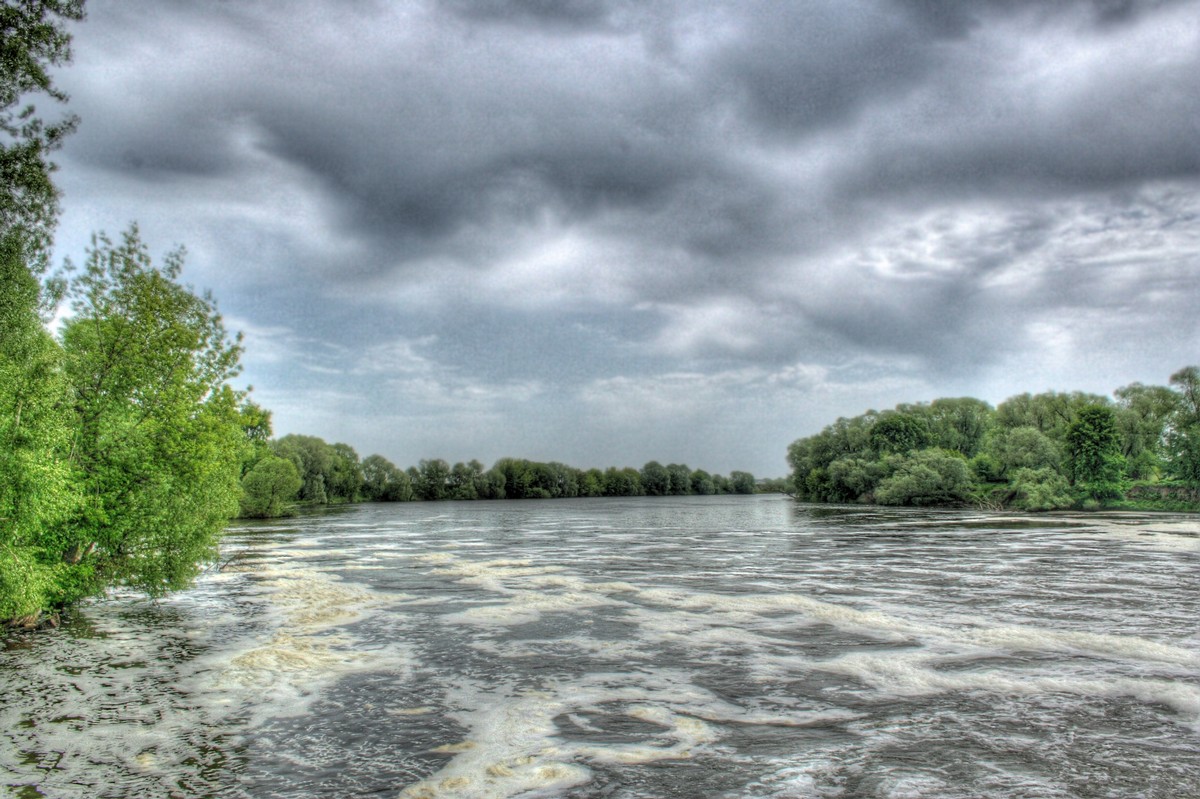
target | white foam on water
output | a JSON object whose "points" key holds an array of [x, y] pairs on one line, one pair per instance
{"points": [[514, 747], [722, 619], [915, 674], [308, 648], [745, 628], [1123, 647], [510, 752]]}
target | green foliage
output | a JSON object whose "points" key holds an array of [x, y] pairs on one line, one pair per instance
{"points": [[680, 479], [158, 439], [34, 40], [331, 473], [430, 482], [773, 485], [383, 481], [702, 483], [742, 482], [464, 480], [986, 468], [1143, 416], [1050, 412], [345, 478], [656, 480], [622, 482], [269, 488], [818, 486], [1095, 445], [1013, 448], [960, 424], [256, 433], [810, 457], [591, 483], [900, 432], [1183, 438], [1094, 461], [36, 492], [312, 458], [926, 477], [1040, 489], [856, 478]]}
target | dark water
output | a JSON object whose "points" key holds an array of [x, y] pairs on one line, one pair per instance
{"points": [[698, 647]]}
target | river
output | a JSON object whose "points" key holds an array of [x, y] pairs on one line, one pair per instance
{"points": [[621, 648]]}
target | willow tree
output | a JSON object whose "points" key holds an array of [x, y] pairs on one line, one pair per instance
{"points": [[158, 440]]}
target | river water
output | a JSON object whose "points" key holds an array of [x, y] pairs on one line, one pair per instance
{"points": [[692, 647]]}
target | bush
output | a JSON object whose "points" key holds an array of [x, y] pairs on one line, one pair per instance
{"points": [[1040, 490], [927, 477], [855, 478]]}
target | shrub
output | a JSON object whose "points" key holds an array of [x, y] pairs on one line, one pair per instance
{"points": [[927, 477]]}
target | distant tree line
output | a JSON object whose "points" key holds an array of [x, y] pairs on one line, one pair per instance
{"points": [[1034, 451], [308, 470]]}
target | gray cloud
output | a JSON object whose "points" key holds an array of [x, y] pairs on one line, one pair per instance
{"points": [[644, 199]]}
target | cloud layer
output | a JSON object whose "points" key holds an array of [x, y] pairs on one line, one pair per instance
{"points": [[605, 232]]}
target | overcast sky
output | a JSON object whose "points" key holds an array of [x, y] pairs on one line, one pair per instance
{"points": [[609, 231]]}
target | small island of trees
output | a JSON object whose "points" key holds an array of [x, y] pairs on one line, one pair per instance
{"points": [[1033, 452]]}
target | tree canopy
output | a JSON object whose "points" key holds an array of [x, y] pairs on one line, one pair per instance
{"points": [[1033, 451]]}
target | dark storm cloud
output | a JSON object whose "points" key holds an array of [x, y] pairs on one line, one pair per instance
{"points": [[571, 14], [960, 17], [460, 125], [796, 67]]}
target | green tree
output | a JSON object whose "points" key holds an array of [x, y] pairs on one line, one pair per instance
{"points": [[343, 482], [897, 432], [36, 490], [1050, 412], [313, 459], [1143, 416], [655, 479], [591, 483], [1040, 489], [926, 477], [490, 484], [810, 457], [702, 483], [431, 480], [625, 482], [856, 478], [464, 480], [256, 428], [383, 481], [680, 479], [1094, 461], [1183, 439], [1015, 448], [960, 424], [34, 39], [269, 488], [742, 482], [774, 485], [158, 439]]}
